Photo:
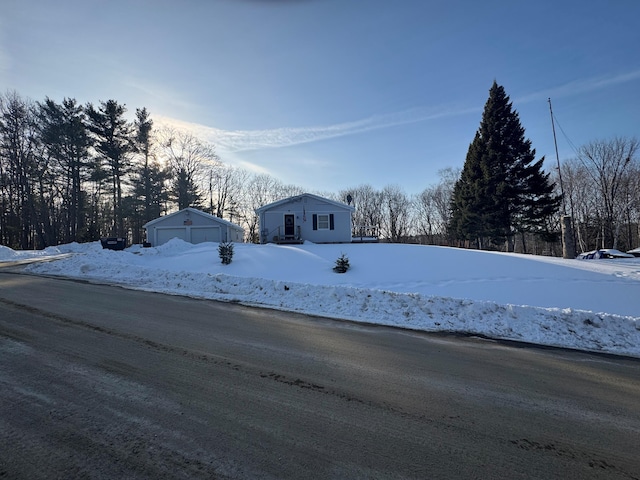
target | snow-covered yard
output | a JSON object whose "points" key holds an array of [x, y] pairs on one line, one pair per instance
{"points": [[584, 304]]}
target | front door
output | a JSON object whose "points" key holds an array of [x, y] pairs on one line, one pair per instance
{"points": [[289, 226]]}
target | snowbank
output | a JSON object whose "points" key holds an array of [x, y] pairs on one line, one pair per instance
{"points": [[590, 305]]}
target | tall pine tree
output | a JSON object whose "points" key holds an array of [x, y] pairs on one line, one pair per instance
{"points": [[148, 179], [65, 137], [501, 190], [112, 135]]}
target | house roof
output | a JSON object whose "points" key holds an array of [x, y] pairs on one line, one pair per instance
{"points": [[194, 211], [308, 195]]}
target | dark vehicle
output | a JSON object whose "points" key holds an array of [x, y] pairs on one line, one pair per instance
{"points": [[114, 243], [603, 253]]}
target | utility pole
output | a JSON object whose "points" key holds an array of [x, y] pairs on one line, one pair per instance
{"points": [[568, 243], [555, 143]]}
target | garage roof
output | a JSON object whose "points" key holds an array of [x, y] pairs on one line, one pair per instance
{"points": [[195, 211]]}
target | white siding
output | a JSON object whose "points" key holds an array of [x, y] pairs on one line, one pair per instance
{"points": [[192, 226], [304, 208]]}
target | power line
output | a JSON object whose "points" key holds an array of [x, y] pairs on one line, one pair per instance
{"points": [[566, 137]]}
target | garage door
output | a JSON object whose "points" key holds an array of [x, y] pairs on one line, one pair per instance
{"points": [[205, 234], [163, 235]]}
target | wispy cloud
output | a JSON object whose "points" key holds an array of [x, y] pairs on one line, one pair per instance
{"points": [[234, 141], [154, 92], [245, 140], [581, 86]]}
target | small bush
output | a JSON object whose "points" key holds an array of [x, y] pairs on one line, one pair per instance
{"points": [[225, 250], [342, 264]]}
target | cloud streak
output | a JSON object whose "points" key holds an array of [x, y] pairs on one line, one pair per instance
{"points": [[582, 86], [245, 140], [234, 141]]}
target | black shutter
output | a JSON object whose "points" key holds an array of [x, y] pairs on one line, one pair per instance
{"points": [[315, 221], [331, 221]]}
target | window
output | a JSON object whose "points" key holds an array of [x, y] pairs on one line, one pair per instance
{"points": [[323, 221]]}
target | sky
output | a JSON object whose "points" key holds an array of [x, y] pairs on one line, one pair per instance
{"points": [[332, 94], [527, 298]]}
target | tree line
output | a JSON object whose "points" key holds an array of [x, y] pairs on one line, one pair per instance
{"points": [[601, 186], [76, 173]]}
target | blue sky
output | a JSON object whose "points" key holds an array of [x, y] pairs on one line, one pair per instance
{"points": [[331, 94]]}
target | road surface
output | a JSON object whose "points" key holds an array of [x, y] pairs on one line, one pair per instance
{"points": [[102, 382]]}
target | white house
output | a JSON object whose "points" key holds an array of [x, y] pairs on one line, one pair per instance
{"points": [[193, 226], [305, 217]]}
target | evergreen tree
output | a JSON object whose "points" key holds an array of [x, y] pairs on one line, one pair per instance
{"points": [[149, 193], [64, 134], [184, 156], [225, 251], [143, 128], [538, 204], [184, 190], [113, 142], [342, 264], [467, 221], [501, 190], [149, 197]]}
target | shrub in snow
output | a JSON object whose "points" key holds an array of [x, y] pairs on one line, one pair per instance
{"points": [[225, 250], [342, 264]]}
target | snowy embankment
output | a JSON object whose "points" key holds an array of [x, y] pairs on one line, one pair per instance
{"points": [[591, 305]]}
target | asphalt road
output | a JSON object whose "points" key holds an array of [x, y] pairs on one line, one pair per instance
{"points": [[102, 382]]}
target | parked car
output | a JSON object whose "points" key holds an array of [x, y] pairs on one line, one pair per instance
{"points": [[604, 253]]}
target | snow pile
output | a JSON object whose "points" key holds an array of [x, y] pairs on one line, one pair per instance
{"points": [[590, 305]]}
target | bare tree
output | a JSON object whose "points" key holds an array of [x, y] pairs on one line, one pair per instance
{"points": [[261, 189], [609, 164], [186, 157], [432, 207], [18, 170], [427, 224], [367, 218], [395, 214], [225, 186], [582, 203], [631, 202]]}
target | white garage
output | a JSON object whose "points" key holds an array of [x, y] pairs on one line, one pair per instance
{"points": [[193, 226]]}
